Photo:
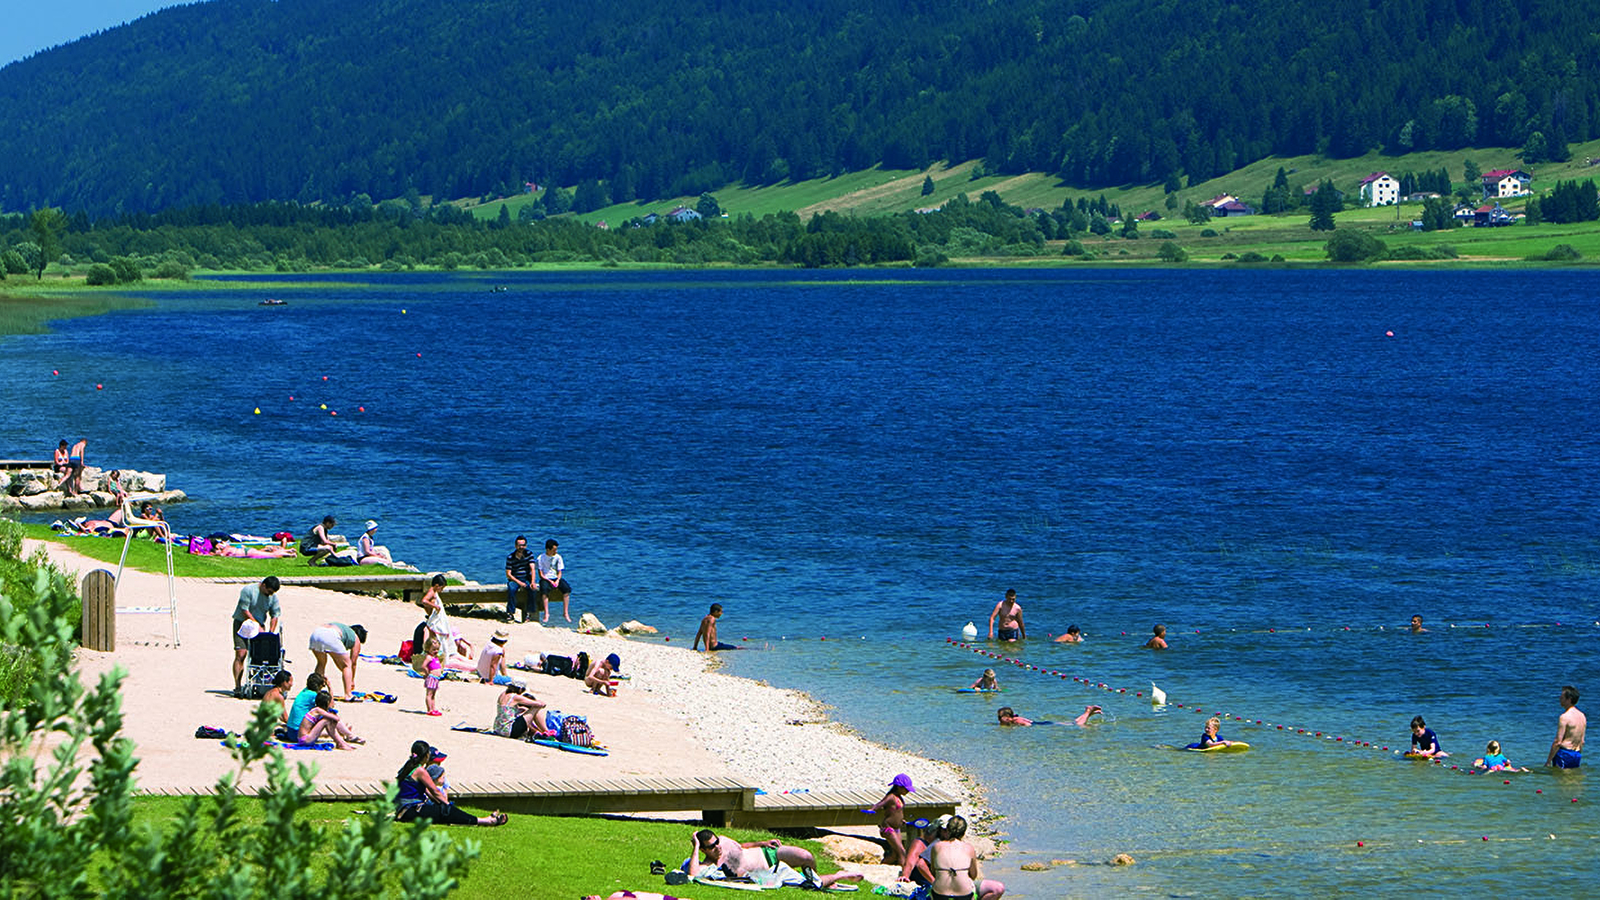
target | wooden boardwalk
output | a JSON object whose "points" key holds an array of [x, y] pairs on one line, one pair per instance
{"points": [[410, 585], [721, 801]]}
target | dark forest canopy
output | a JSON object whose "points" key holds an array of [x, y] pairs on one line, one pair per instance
{"points": [[242, 101]]}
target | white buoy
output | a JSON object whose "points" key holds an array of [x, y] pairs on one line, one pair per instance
{"points": [[970, 631], [1158, 697]]}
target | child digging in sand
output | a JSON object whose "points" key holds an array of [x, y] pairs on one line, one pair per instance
{"points": [[433, 669], [893, 807]]}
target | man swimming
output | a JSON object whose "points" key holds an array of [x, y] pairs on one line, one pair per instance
{"points": [[1158, 638], [1566, 751]]}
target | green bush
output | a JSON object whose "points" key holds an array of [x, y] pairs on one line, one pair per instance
{"points": [[171, 269], [1170, 252], [1250, 256], [1354, 246], [1208, 232], [1163, 234], [1562, 253], [100, 273], [1278, 257], [1230, 256], [1072, 248], [14, 263], [127, 270]]}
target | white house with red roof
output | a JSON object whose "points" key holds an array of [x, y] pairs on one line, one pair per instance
{"points": [[1506, 183], [1380, 189]]}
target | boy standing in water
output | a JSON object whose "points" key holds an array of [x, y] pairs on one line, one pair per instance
{"points": [[1009, 612], [893, 807], [1158, 638], [1566, 751], [708, 631]]}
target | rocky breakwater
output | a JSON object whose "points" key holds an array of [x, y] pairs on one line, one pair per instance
{"points": [[33, 490]]}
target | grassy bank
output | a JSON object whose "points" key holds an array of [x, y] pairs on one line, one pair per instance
{"points": [[148, 556], [538, 856], [29, 307]]}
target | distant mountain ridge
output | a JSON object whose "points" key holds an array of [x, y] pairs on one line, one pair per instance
{"points": [[247, 100]]}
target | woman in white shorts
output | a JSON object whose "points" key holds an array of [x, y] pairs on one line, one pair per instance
{"points": [[343, 643]]}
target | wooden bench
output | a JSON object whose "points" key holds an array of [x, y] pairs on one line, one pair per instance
{"points": [[14, 464], [409, 585], [393, 583], [464, 594]]}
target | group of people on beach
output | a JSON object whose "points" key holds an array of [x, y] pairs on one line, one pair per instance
{"points": [[934, 853]]}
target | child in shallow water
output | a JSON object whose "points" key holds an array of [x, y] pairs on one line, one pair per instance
{"points": [[1495, 761], [986, 682], [1008, 716]]}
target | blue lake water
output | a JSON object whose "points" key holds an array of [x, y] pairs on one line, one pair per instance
{"points": [[1280, 466]]}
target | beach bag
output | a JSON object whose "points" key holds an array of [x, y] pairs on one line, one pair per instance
{"points": [[340, 561], [558, 665], [553, 720], [581, 669], [201, 545], [405, 650], [207, 732], [575, 731]]}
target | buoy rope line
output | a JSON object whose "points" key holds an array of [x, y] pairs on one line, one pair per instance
{"points": [[1327, 737]]}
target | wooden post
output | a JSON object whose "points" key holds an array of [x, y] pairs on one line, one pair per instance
{"points": [[100, 610]]}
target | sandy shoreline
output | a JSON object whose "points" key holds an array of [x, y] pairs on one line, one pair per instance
{"points": [[676, 715]]}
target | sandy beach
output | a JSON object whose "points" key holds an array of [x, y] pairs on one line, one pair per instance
{"points": [[674, 716]]}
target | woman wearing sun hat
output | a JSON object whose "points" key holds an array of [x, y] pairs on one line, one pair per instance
{"points": [[369, 553], [492, 661]]}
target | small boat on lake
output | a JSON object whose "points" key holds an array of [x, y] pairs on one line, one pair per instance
{"points": [[273, 301]]}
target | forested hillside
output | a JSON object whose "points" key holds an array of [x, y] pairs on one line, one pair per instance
{"points": [[237, 101]]}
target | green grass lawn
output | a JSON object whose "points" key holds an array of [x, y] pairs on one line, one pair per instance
{"points": [[148, 556], [542, 856]]}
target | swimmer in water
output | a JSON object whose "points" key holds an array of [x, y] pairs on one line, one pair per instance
{"points": [[1008, 716], [986, 682], [1073, 636], [1158, 638]]}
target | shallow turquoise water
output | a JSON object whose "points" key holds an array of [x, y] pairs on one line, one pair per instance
{"points": [[1249, 458]]}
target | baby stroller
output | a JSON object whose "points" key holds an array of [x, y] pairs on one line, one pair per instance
{"points": [[265, 662]]}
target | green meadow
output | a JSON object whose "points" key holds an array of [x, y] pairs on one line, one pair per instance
{"points": [[535, 856]]}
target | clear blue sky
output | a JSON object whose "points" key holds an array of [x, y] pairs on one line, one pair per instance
{"points": [[34, 25]]}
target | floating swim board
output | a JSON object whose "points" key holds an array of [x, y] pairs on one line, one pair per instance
{"points": [[979, 690], [1412, 754], [571, 748], [1230, 747]]}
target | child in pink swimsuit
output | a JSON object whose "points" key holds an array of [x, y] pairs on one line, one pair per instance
{"points": [[893, 807], [433, 668]]}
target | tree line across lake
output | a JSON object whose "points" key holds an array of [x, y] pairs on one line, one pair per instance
{"points": [[250, 100]]}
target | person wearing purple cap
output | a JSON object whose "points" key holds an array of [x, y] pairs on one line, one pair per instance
{"points": [[599, 677], [424, 793], [893, 807]]}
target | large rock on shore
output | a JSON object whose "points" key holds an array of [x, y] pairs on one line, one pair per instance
{"points": [[33, 490]]}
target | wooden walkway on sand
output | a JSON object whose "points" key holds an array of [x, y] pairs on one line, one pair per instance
{"points": [[722, 802], [409, 585]]}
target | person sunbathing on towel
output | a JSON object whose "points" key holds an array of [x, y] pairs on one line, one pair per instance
{"points": [[742, 860]]}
